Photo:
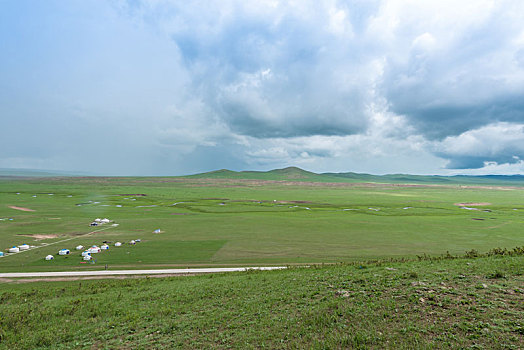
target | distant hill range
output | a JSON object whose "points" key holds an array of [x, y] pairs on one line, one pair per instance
{"points": [[297, 174]]}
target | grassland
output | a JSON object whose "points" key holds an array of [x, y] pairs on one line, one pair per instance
{"points": [[393, 278], [278, 218], [439, 303]]}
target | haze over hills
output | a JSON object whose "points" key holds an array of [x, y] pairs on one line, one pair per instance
{"points": [[293, 173], [38, 172]]}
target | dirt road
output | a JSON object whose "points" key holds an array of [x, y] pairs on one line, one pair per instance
{"points": [[136, 272]]}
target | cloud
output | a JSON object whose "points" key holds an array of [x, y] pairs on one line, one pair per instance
{"points": [[166, 87], [271, 69], [498, 143], [453, 67]]}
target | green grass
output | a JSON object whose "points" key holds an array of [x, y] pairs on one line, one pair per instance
{"points": [[246, 221], [439, 304]]}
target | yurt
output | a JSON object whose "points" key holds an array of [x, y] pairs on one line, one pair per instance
{"points": [[14, 249], [157, 231], [98, 220], [132, 241], [104, 221], [87, 257], [104, 247], [86, 252], [63, 252], [138, 240], [118, 244], [23, 247], [49, 257], [1, 254], [79, 247], [94, 249]]}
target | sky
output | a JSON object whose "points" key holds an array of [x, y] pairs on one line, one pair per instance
{"points": [[163, 87]]}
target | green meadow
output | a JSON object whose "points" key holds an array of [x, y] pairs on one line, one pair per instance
{"points": [[448, 303], [222, 219]]}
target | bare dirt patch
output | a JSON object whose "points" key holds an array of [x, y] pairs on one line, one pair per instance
{"points": [[20, 208], [479, 204], [40, 237]]}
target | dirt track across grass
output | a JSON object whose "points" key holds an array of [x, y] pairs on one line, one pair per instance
{"points": [[37, 276], [20, 208]]}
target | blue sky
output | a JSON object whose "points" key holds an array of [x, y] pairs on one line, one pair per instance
{"points": [[178, 87]]}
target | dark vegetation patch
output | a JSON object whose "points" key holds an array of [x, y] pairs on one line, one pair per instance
{"points": [[132, 194]]}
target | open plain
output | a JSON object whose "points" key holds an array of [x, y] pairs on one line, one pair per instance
{"points": [[285, 219], [390, 265]]}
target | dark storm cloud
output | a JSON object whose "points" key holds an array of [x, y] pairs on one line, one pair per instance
{"points": [[448, 82], [284, 77]]}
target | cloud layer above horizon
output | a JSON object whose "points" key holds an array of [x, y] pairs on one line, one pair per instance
{"points": [[176, 87]]}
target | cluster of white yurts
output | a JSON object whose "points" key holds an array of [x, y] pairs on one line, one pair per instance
{"points": [[99, 222], [87, 253], [16, 249]]}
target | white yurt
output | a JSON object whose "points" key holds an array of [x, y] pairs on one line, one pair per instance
{"points": [[14, 249], [118, 244], [63, 252], [94, 249], [132, 242], [104, 247], [23, 247], [85, 252], [157, 231], [79, 247], [98, 220], [104, 221], [49, 257], [138, 240], [87, 257]]}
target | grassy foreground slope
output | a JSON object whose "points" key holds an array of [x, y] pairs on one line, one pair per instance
{"points": [[447, 303]]}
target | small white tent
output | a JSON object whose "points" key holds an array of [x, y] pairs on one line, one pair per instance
{"points": [[86, 252], [63, 252], [132, 242], [118, 244], [49, 257], [23, 247], [79, 247], [94, 249], [87, 257], [14, 249], [104, 247]]}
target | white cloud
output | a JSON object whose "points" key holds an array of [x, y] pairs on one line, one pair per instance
{"points": [[498, 143]]}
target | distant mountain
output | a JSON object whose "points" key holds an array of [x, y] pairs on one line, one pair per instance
{"points": [[285, 174], [297, 174]]}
